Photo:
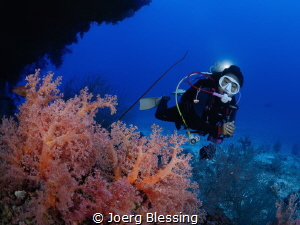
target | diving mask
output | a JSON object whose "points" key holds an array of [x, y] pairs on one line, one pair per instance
{"points": [[230, 85]]}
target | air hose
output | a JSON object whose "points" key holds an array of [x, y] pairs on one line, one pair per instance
{"points": [[177, 104]]}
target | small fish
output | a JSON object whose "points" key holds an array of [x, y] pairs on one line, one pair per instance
{"points": [[179, 92], [21, 90]]}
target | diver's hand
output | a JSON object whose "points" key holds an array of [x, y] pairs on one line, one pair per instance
{"points": [[227, 129]]}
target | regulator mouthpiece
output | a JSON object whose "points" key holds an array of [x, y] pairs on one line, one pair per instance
{"points": [[225, 98]]}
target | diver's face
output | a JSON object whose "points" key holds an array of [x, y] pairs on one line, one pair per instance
{"points": [[227, 82]]}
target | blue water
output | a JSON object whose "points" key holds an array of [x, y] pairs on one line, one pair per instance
{"points": [[261, 37]]}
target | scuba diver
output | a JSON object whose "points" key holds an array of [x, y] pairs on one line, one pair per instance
{"points": [[208, 107]]}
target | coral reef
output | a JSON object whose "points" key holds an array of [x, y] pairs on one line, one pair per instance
{"points": [[245, 182], [58, 166]]}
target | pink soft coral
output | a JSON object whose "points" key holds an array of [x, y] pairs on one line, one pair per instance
{"points": [[70, 167], [155, 167]]}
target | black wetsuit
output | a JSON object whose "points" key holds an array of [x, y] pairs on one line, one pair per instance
{"points": [[204, 117]]}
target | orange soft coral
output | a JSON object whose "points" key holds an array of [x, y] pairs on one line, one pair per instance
{"points": [[70, 167], [155, 167]]}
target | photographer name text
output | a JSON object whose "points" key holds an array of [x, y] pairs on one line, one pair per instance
{"points": [[149, 218]]}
